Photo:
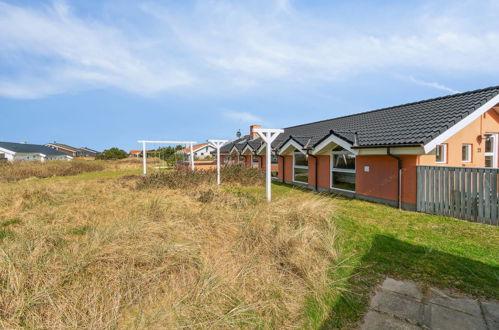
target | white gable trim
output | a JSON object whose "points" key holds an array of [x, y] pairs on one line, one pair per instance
{"points": [[460, 125], [333, 139], [234, 148], [291, 144], [248, 147]]}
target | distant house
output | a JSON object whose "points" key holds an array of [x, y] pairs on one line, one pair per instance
{"points": [[201, 151], [87, 152], [135, 153], [11, 151], [72, 151]]}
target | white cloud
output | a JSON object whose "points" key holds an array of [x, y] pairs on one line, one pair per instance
{"points": [[432, 85], [230, 45], [70, 53], [243, 117]]}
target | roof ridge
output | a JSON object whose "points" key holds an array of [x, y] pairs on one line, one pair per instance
{"points": [[400, 105]]}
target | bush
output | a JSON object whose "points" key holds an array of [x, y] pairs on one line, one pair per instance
{"points": [[113, 153], [184, 178], [23, 170]]}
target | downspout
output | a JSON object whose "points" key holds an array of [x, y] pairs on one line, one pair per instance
{"points": [[283, 168], [399, 177], [316, 169]]}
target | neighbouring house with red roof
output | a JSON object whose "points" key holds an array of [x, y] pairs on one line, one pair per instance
{"points": [[135, 153], [375, 155], [201, 151]]}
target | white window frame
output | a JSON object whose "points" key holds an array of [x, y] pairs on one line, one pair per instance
{"points": [[344, 170], [469, 152], [493, 153], [444, 161], [299, 166]]}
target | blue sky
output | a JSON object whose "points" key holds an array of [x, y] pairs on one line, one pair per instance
{"points": [[107, 73]]}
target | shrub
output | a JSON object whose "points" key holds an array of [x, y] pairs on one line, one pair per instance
{"points": [[23, 170], [113, 153], [183, 179]]}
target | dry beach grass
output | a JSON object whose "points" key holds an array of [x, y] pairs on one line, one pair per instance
{"points": [[24, 170], [129, 253]]}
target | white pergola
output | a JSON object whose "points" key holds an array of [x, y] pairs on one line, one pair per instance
{"points": [[217, 144], [268, 135], [144, 150]]}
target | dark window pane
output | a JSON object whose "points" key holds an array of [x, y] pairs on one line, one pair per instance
{"points": [[344, 161], [344, 181], [465, 153], [488, 143], [440, 153], [301, 175], [300, 159], [488, 161]]}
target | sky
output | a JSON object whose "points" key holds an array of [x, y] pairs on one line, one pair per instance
{"points": [[107, 73]]}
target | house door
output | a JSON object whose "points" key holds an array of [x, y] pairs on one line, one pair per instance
{"points": [[491, 147]]}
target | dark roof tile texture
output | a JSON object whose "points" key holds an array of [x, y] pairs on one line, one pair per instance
{"points": [[30, 148]]}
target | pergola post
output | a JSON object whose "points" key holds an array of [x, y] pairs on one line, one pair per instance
{"points": [[217, 144], [268, 135], [192, 156]]}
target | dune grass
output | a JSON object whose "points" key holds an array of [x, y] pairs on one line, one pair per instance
{"points": [[101, 253], [103, 250], [24, 170]]}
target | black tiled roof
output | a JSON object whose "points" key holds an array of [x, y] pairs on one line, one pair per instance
{"points": [[411, 124], [30, 148]]}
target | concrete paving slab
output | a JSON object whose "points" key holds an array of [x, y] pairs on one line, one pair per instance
{"points": [[379, 321], [465, 305], [403, 287], [443, 318], [491, 310], [399, 305]]}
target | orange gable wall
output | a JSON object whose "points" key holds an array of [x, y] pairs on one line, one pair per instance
{"points": [[381, 180], [285, 163], [247, 160], [323, 171], [487, 123]]}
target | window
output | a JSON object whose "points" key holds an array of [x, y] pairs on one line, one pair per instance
{"points": [[466, 153], [343, 170], [490, 150], [300, 167], [441, 153]]}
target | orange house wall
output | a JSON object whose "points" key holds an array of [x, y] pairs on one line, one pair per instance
{"points": [[487, 123], [382, 180], [323, 171]]}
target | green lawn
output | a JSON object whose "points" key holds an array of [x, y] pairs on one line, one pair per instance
{"points": [[376, 240]]}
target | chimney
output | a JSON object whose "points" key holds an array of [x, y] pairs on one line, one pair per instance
{"points": [[253, 134]]}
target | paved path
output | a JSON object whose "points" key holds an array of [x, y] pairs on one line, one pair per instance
{"points": [[405, 305]]}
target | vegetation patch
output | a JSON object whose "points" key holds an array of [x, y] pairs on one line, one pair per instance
{"points": [[23, 170], [186, 179], [112, 256]]}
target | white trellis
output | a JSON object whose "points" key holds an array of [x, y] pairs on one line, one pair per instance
{"points": [[144, 150], [268, 135], [217, 144]]}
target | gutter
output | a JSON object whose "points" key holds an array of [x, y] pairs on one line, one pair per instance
{"points": [[283, 168], [387, 146], [399, 177]]}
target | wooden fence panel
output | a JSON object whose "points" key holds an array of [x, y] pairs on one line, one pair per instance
{"points": [[466, 193]]}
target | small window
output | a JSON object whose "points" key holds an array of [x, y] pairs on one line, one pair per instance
{"points": [[466, 153], [441, 153]]}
